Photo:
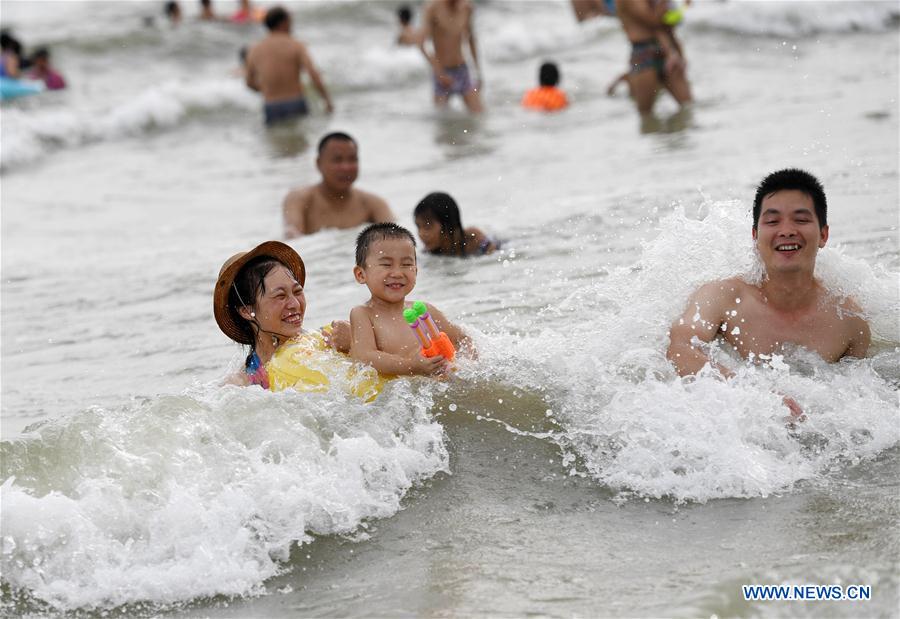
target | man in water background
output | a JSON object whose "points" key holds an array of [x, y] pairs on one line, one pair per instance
{"points": [[333, 202], [790, 306], [274, 66], [656, 58], [446, 23]]}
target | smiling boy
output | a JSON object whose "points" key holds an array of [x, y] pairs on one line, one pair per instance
{"points": [[386, 264], [790, 306]]}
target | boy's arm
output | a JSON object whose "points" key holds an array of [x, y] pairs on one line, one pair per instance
{"points": [[457, 336], [363, 348], [702, 318]]}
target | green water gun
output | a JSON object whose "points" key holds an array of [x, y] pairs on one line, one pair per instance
{"points": [[432, 341]]}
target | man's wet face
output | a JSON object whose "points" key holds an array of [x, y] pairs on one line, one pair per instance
{"points": [[339, 164], [787, 235]]}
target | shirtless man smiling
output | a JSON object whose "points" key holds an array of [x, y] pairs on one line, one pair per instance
{"points": [[333, 202], [790, 306]]}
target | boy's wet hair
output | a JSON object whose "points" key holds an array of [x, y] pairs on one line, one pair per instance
{"points": [[41, 53], [275, 17], [442, 208], [379, 232], [792, 178], [404, 13], [549, 74], [172, 8], [335, 135]]}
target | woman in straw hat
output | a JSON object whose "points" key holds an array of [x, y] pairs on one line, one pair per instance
{"points": [[259, 301]]}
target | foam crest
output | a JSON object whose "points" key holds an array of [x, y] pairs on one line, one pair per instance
{"points": [[636, 427], [201, 494], [792, 19], [29, 134]]}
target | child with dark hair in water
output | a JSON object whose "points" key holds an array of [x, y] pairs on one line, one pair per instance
{"points": [[547, 97], [408, 35], [441, 230], [380, 336], [42, 70]]}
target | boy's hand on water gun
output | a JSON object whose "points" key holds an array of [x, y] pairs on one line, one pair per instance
{"points": [[428, 366]]}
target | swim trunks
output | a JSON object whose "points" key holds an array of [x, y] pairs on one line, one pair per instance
{"points": [[545, 98], [648, 55], [461, 84], [283, 110]]}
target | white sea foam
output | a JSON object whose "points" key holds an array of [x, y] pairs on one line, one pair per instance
{"points": [[204, 493], [30, 133], [630, 423], [792, 19]]}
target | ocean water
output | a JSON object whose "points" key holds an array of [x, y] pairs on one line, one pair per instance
{"points": [[567, 472]]}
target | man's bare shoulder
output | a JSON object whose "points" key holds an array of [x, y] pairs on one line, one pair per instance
{"points": [[848, 308], [300, 194], [368, 198], [723, 290]]}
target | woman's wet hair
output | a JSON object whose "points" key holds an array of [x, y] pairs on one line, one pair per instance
{"points": [[248, 285], [440, 207], [799, 180]]}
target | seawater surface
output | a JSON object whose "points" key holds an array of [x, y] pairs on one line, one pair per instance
{"points": [[567, 471]]}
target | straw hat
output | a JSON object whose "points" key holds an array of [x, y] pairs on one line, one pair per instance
{"points": [[225, 316]]}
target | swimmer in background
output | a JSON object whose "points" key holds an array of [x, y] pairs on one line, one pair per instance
{"points": [[586, 9], [274, 67], [447, 23], [41, 70], [409, 35], [547, 97], [172, 11], [380, 336], [11, 65], [247, 14], [790, 306], [207, 13], [440, 228], [657, 60], [333, 202]]}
